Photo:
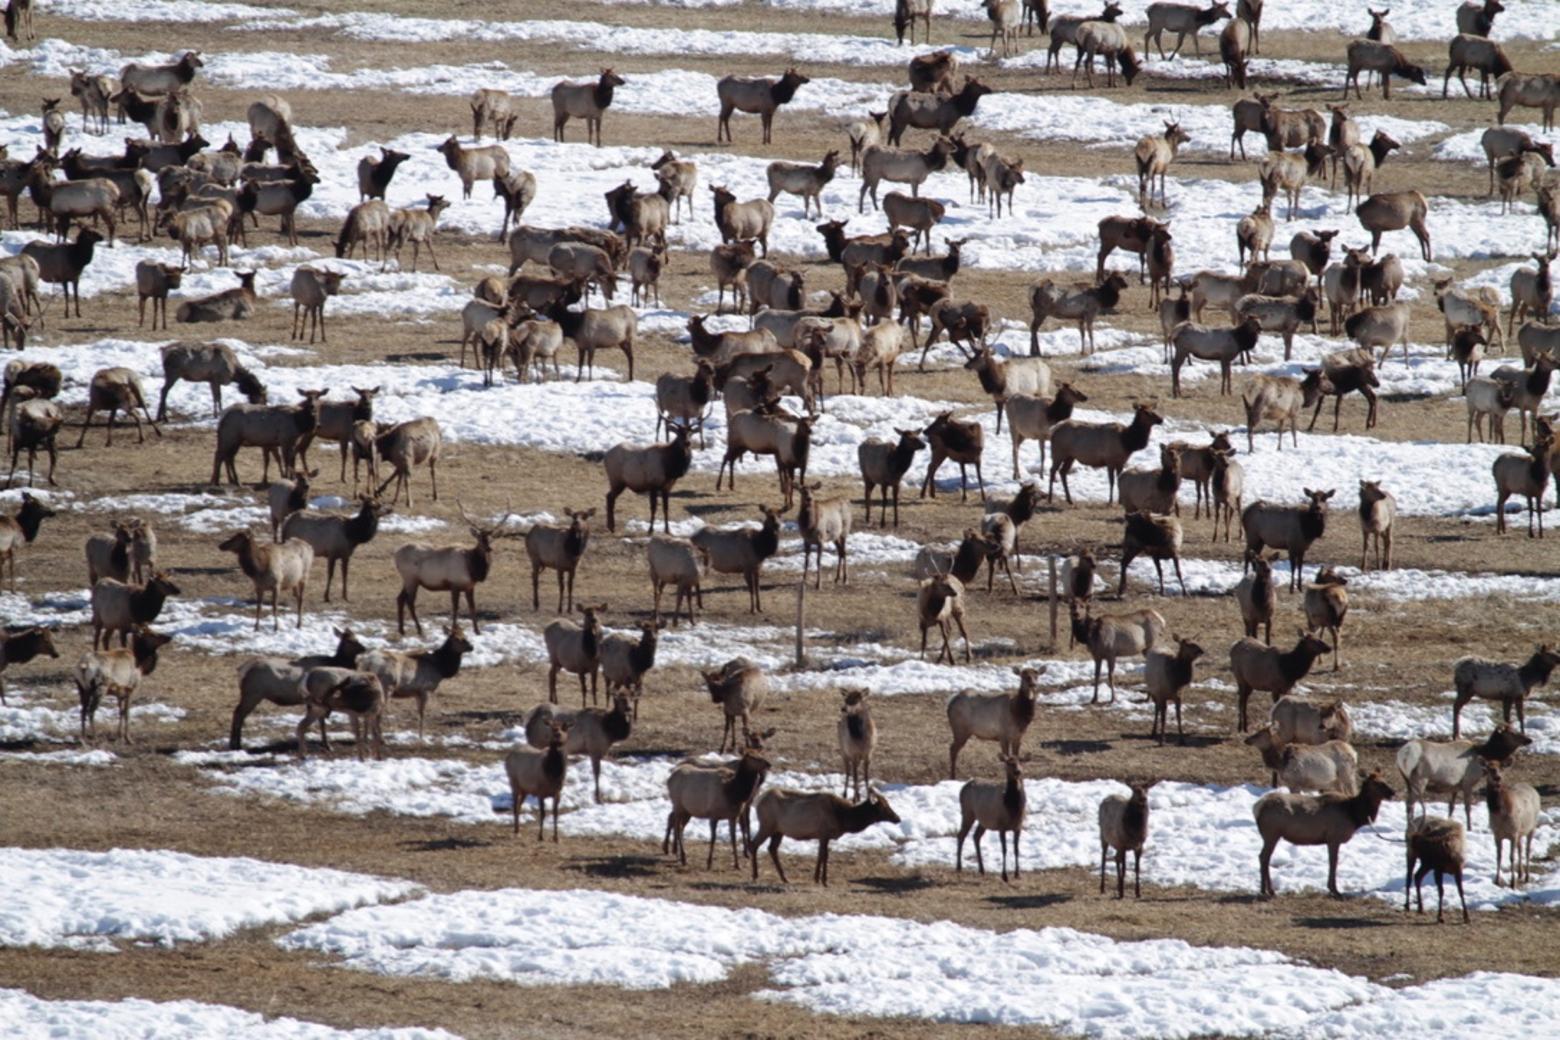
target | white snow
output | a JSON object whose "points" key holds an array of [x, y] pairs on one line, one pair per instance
{"points": [[1431, 478], [87, 900], [33, 1018], [816, 48], [26, 715], [1065, 980], [154, 11], [1468, 146], [1202, 835]]}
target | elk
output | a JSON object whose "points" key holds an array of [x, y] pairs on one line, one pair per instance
{"points": [[648, 469], [559, 546], [1155, 154], [480, 163], [933, 111], [755, 95], [275, 429], [454, 569], [1106, 446], [1383, 59], [310, 288], [417, 674], [1182, 19], [274, 568], [153, 281], [884, 464], [119, 673], [22, 646], [116, 389], [334, 537]]}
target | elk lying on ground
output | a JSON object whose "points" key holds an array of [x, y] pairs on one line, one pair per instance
{"points": [[236, 304], [1315, 820]]}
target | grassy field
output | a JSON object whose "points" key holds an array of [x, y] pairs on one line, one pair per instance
{"points": [[1394, 649]]}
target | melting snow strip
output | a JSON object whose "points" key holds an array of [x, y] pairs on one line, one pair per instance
{"points": [[1070, 981], [33, 1018], [87, 900]]}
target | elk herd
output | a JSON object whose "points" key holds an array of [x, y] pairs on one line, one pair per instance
{"points": [[889, 298]]}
